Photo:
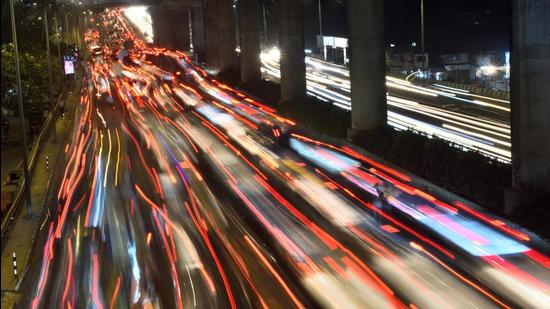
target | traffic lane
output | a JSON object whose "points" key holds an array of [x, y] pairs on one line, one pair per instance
{"points": [[459, 134], [72, 226], [493, 142], [140, 253], [456, 104], [264, 278], [202, 139], [197, 270], [168, 137], [98, 212], [478, 107], [458, 127], [341, 214], [325, 198], [103, 160], [377, 240], [339, 75], [305, 251], [339, 91], [501, 255], [185, 233]]}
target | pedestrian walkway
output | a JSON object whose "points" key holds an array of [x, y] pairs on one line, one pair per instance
{"points": [[20, 239], [10, 159]]}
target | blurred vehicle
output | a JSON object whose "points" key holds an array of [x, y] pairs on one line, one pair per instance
{"points": [[97, 51]]}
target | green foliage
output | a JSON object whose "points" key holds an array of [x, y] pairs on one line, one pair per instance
{"points": [[34, 79], [466, 173], [32, 56]]}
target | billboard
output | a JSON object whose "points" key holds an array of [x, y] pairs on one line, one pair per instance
{"points": [[68, 64]]}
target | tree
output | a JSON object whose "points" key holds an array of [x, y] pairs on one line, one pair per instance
{"points": [[34, 80]]}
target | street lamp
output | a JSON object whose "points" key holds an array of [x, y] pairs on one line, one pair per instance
{"points": [[47, 33], [422, 32], [422, 23], [264, 22], [21, 111], [491, 70], [320, 21], [488, 70]]}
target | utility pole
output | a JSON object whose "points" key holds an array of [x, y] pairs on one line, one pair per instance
{"points": [[422, 33], [320, 20], [21, 112], [57, 34], [67, 34], [265, 22], [80, 31], [48, 54], [50, 76], [190, 29]]}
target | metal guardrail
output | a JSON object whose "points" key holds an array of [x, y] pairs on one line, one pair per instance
{"points": [[16, 203]]}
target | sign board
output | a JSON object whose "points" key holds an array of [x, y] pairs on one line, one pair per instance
{"points": [[68, 64], [335, 41], [69, 67]]}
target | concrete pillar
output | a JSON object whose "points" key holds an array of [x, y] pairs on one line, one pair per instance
{"points": [[211, 34], [291, 46], [162, 20], [249, 37], [181, 31], [530, 102], [226, 35], [170, 28], [367, 67], [197, 25]]}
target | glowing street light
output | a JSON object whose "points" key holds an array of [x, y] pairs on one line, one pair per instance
{"points": [[489, 70]]}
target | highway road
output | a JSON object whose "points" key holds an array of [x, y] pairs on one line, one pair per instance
{"points": [[475, 122], [180, 191]]}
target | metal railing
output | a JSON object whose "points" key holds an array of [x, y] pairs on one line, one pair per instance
{"points": [[9, 217]]}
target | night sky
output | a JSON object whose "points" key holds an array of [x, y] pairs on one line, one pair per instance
{"points": [[451, 25]]}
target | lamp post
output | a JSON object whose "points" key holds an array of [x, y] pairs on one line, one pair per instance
{"points": [[422, 32], [320, 21], [66, 33], [48, 54], [50, 76], [21, 111], [57, 34], [265, 23]]}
